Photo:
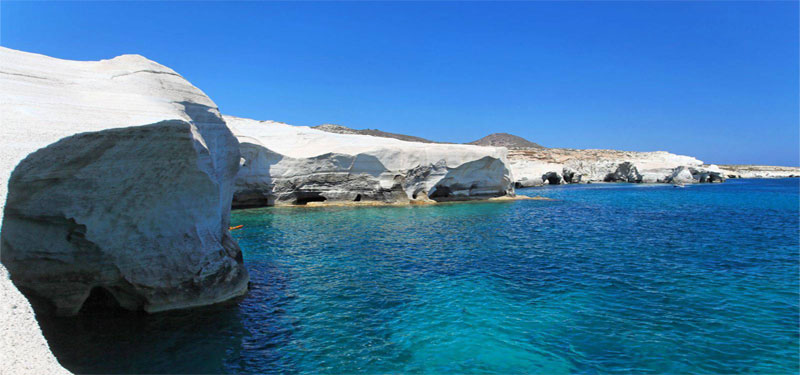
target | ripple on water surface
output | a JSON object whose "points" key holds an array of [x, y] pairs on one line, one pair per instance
{"points": [[608, 278]]}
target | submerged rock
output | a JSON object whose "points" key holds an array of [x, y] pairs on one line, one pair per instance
{"points": [[122, 182], [284, 164]]}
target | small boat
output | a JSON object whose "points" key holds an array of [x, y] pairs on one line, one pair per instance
{"points": [[236, 227], [678, 185]]}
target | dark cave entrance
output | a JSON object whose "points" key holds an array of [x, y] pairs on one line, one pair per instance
{"points": [[302, 198], [553, 179], [440, 192], [357, 198], [100, 302]]}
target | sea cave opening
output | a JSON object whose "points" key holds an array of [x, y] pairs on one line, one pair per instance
{"points": [[100, 301], [553, 178], [357, 198], [440, 192], [302, 198]]}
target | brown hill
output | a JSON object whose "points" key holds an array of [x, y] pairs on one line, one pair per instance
{"points": [[505, 140]]}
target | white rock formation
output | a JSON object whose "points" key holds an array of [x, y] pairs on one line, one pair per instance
{"points": [[116, 174], [536, 167], [759, 171], [24, 349], [297, 164], [681, 175]]}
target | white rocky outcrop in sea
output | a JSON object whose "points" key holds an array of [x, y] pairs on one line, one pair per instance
{"points": [[759, 171], [285, 164], [117, 175], [540, 166]]}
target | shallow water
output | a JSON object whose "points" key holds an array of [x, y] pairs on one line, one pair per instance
{"points": [[608, 278]]}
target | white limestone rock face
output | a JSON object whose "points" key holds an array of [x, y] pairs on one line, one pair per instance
{"points": [[116, 174], [285, 164], [758, 171], [707, 173], [532, 166], [531, 173]]}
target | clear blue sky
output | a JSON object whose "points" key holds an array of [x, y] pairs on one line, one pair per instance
{"points": [[715, 80]]}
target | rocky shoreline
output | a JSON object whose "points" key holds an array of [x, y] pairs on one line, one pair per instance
{"points": [[759, 171], [415, 202], [535, 165], [555, 166], [296, 165]]}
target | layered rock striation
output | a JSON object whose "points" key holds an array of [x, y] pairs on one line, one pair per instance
{"points": [[284, 164], [117, 177]]}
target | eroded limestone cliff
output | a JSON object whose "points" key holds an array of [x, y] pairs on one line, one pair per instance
{"points": [[284, 164], [759, 171], [540, 166], [116, 175]]}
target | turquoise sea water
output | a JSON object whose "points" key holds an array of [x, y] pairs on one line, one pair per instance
{"points": [[608, 278]]}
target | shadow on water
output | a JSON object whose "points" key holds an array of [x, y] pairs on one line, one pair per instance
{"points": [[105, 338], [190, 341]]}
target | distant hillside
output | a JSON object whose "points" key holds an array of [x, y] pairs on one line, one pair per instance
{"points": [[505, 140], [331, 128], [496, 139]]}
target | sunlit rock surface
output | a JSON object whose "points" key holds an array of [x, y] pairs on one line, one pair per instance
{"points": [[285, 164], [116, 175], [758, 171], [537, 166]]}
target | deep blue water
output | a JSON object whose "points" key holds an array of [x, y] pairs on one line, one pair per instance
{"points": [[608, 278]]}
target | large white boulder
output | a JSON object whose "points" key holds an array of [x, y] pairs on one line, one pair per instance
{"points": [[297, 164], [116, 175]]}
